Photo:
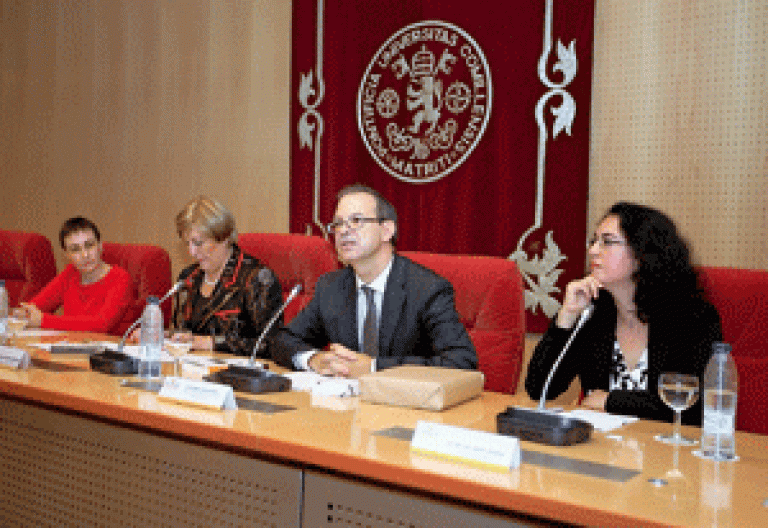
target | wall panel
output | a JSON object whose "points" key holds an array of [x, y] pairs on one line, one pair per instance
{"points": [[679, 120], [122, 111]]}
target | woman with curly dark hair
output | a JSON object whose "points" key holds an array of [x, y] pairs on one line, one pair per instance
{"points": [[649, 318]]}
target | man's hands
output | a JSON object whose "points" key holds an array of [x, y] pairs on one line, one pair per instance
{"points": [[341, 362]]}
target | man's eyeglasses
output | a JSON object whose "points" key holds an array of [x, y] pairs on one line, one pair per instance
{"points": [[604, 242], [352, 223]]}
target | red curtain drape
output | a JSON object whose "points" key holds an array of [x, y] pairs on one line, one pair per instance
{"points": [[512, 180]]}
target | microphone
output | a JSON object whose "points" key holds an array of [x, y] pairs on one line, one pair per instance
{"points": [[585, 315], [542, 425], [294, 292], [176, 287], [250, 378]]}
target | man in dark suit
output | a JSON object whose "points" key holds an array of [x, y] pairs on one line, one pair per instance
{"points": [[381, 310]]}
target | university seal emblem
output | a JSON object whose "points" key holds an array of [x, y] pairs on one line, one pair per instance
{"points": [[424, 101]]}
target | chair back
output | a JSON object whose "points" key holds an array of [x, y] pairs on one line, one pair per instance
{"points": [[295, 259], [26, 263], [741, 299], [491, 305], [150, 268]]}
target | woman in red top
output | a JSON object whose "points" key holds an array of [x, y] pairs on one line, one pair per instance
{"points": [[92, 294]]}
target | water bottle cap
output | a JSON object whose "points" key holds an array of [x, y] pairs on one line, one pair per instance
{"points": [[153, 299], [721, 348]]}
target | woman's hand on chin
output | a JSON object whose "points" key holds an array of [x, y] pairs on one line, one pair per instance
{"points": [[578, 295]]}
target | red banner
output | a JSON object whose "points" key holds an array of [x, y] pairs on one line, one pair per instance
{"points": [[472, 118]]}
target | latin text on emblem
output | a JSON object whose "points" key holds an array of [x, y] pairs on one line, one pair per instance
{"points": [[424, 101]]}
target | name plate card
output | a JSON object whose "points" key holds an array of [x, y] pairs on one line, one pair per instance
{"points": [[488, 450], [14, 358], [204, 393]]}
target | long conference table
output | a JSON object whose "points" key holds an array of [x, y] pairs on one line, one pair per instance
{"points": [[80, 448]]}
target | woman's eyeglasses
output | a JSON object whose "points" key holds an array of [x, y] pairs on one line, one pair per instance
{"points": [[604, 242]]}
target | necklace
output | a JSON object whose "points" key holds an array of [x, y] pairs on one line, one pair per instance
{"points": [[218, 274], [96, 276]]}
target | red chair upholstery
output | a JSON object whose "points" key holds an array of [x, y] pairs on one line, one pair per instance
{"points": [[752, 405], [26, 263], [490, 303], [296, 259], [741, 298], [150, 268]]}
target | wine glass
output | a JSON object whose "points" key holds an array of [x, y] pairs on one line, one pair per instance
{"points": [[674, 487], [678, 391], [177, 349]]}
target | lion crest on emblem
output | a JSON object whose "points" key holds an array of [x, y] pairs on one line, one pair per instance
{"points": [[424, 101]]}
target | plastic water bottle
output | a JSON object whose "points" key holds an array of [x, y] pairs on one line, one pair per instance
{"points": [[151, 339], [3, 309], [718, 428]]}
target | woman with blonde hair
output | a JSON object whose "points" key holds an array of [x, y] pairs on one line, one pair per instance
{"points": [[228, 296]]}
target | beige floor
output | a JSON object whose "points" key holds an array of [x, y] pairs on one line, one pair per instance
{"points": [[567, 398]]}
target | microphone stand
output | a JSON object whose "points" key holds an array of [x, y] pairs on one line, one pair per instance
{"points": [[294, 292], [252, 378], [585, 314], [176, 287], [543, 425], [118, 362]]}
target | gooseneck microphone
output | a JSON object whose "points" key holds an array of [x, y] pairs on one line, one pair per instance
{"points": [[294, 292], [250, 377], [544, 425], [176, 287], [585, 315]]}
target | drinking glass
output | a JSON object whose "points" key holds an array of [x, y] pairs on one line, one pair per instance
{"points": [[674, 488], [678, 391], [178, 344]]}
